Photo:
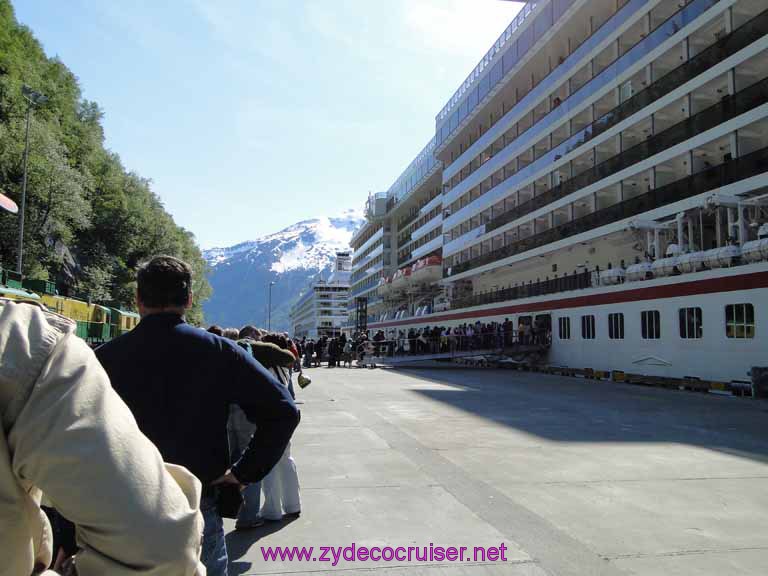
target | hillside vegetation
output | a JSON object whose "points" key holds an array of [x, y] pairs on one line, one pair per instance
{"points": [[89, 221]]}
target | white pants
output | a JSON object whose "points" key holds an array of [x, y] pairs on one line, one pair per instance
{"points": [[281, 488]]}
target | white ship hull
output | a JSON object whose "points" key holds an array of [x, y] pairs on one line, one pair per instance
{"points": [[713, 356]]}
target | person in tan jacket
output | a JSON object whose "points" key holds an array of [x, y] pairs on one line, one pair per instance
{"points": [[67, 434]]}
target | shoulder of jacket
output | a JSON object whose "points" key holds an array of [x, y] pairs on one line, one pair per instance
{"points": [[35, 313], [28, 336], [270, 353]]}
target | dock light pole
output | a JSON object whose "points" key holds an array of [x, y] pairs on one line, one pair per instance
{"points": [[269, 307], [33, 99]]}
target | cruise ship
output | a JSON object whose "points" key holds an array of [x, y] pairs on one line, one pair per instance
{"points": [[321, 309], [604, 171]]}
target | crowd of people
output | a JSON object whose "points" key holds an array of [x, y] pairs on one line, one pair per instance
{"points": [[137, 448], [140, 448], [463, 337], [336, 351], [343, 351]]}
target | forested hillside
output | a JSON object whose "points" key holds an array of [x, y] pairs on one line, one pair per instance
{"points": [[89, 222]]}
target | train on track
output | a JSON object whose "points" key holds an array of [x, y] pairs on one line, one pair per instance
{"points": [[96, 323]]}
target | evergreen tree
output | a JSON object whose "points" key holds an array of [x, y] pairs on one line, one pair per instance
{"points": [[89, 222]]}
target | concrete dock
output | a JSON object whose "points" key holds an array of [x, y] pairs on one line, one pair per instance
{"points": [[573, 477]]}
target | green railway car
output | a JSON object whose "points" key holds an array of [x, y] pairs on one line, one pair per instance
{"points": [[122, 321], [95, 323]]}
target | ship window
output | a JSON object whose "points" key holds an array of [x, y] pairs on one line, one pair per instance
{"points": [[588, 327], [690, 323], [564, 324], [651, 324], [616, 326], [740, 321]]}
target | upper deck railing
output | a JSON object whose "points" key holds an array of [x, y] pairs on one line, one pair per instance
{"points": [[485, 61], [424, 162]]}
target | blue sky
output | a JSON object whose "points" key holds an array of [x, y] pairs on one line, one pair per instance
{"points": [[250, 115]]}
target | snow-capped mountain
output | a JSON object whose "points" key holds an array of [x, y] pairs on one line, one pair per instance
{"points": [[292, 258]]}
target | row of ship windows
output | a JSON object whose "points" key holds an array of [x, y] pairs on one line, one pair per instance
{"points": [[678, 121], [411, 221], [513, 53], [362, 255], [739, 323], [639, 45], [404, 235], [367, 236], [692, 166], [693, 48], [404, 255], [744, 75]]}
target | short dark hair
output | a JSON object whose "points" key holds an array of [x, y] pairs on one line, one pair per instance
{"points": [[278, 339], [163, 282], [216, 329], [249, 331]]}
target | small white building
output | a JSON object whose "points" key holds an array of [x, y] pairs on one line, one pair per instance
{"points": [[321, 310]]}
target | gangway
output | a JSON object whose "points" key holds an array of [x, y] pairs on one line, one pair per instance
{"points": [[515, 353]]}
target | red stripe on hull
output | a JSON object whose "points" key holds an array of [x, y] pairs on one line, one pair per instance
{"points": [[693, 288]]}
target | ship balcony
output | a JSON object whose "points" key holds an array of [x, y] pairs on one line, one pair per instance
{"points": [[427, 227], [375, 237], [624, 71], [711, 178], [427, 248], [587, 173], [358, 264]]}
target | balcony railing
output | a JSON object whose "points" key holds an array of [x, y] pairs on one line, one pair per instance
{"points": [[727, 46], [495, 50], [605, 77], [575, 281], [704, 181]]}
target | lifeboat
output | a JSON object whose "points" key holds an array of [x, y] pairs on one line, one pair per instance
{"points": [[669, 265], [665, 266], [428, 270], [723, 257], [401, 278], [756, 250], [639, 271], [385, 285], [612, 276], [692, 262]]}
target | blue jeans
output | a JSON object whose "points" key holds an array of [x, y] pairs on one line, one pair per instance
{"points": [[214, 554], [249, 511]]}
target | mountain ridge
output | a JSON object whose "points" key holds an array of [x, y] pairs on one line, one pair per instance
{"points": [[292, 258]]}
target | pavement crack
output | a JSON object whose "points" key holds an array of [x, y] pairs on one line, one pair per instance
{"points": [[673, 553]]}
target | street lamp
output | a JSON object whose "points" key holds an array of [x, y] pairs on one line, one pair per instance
{"points": [[34, 99], [269, 308]]}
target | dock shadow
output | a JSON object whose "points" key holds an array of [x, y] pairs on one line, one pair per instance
{"points": [[240, 541], [568, 409]]}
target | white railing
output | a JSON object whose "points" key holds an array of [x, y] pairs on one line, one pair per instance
{"points": [[517, 21]]}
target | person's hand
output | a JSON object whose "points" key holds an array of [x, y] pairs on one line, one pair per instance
{"points": [[69, 567], [227, 478]]}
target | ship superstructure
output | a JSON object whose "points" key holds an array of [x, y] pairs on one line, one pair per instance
{"points": [[604, 168]]}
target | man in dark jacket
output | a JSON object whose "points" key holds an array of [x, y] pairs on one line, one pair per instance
{"points": [[179, 382]]}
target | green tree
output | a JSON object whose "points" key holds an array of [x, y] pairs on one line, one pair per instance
{"points": [[89, 221]]}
